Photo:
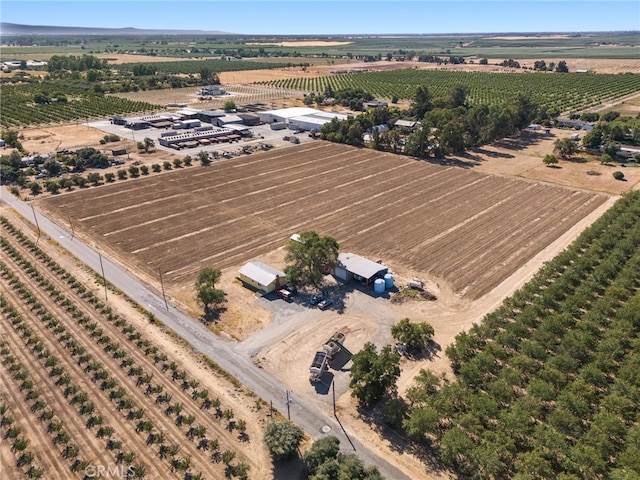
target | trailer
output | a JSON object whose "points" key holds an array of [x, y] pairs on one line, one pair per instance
{"points": [[334, 344], [319, 365]]}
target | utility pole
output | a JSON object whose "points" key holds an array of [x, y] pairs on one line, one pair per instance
{"points": [[104, 279], [162, 285], [289, 401], [37, 226]]}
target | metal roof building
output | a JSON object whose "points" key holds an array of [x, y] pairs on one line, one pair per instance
{"points": [[262, 276], [350, 265]]}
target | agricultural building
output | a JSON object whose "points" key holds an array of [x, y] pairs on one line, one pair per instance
{"points": [[262, 276], [137, 125], [350, 265], [211, 91], [376, 104], [217, 134], [187, 113], [314, 121], [249, 119], [226, 119], [284, 114], [241, 130], [300, 118], [210, 116], [405, 124]]}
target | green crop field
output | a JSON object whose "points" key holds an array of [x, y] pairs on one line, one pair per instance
{"points": [[565, 92]]}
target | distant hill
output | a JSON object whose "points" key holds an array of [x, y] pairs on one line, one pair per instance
{"points": [[18, 29]]}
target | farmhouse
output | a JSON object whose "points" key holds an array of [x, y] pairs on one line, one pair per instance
{"points": [[350, 265], [262, 276]]}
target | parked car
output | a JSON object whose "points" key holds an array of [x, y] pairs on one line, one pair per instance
{"points": [[324, 304], [316, 299], [284, 294]]}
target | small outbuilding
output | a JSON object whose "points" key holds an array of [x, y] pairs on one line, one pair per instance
{"points": [[261, 276], [350, 265]]}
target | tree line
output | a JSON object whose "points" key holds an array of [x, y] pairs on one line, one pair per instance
{"points": [[446, 125]]}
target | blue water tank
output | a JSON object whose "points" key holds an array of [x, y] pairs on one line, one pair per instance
{"points": [[378, 285], [388, 281]]}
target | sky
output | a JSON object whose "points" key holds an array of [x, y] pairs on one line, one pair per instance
{"points": [[332, 17]]}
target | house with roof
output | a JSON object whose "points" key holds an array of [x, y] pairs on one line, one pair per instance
{"points": [[262, 277]]}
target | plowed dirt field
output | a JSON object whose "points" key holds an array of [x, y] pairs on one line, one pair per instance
{"points": [[469, 229]]}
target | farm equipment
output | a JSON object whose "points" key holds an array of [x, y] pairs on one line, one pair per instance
{"points": [[318, 366], [334, 344], [322, 357]]}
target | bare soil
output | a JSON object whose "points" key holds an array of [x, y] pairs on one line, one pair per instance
{"points": [[367, 200]]}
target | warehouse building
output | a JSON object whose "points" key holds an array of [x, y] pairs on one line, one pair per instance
{"points": [[301, 118], [350, 265], [262, 277]]}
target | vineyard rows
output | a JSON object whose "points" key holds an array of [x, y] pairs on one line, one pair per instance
{"points": [[565, 92], [96, 384], [19, 109]]}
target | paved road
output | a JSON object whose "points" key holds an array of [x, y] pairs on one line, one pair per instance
{"points": [[221, 351]]}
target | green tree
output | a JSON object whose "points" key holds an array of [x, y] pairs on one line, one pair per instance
{"points": [[415, 335], [35, 188], [308, 258], [374, 375], [146, 144], [322, 450], [109, 177], [94, 178], [561, 67], [549, 160], [618, 175], [206, 290], [229, 106], [565, 147], [283, 438], [11, 139], [53, 167], [204, 158], [422, 102], [52, 186]]}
